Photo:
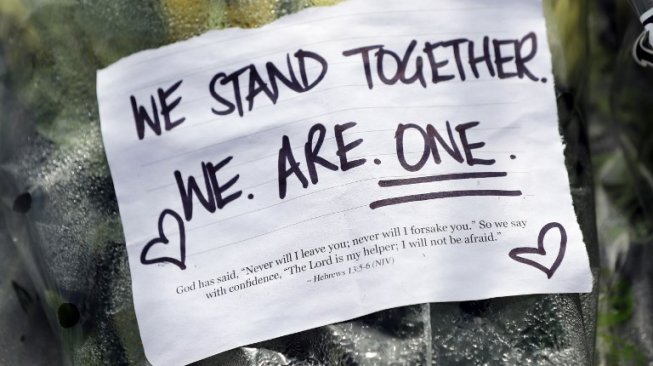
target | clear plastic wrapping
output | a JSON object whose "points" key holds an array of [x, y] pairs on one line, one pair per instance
{"points": [[59, 208]]}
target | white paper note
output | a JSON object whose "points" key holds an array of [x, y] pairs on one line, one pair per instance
{"points": [[337, 162]]}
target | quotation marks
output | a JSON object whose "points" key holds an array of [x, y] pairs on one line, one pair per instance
{"points": [[163, 239], [517, 253]]}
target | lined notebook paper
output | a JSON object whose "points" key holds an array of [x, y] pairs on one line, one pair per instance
{"points": [[337, 162]]}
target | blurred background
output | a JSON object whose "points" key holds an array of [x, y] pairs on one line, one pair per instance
{"points": [[617, 104]]}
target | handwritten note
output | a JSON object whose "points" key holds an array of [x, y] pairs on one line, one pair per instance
{"points": [[337, 162]]}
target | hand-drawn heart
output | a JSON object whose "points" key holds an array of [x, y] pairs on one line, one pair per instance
{"points": [[516, 253], [163, 239]]}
